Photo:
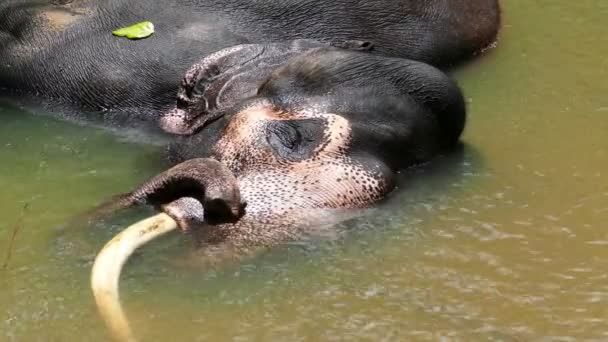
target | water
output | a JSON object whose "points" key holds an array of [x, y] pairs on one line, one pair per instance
{"points": [[505, 241]]}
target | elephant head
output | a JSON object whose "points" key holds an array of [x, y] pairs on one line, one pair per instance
{"points": [[298, 132]]}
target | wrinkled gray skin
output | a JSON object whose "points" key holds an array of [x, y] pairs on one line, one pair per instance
{"points": [[221, 79], [279, 134], [62, 52]]}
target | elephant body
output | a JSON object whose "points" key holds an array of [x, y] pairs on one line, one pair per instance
{"points": [[63, 50]]}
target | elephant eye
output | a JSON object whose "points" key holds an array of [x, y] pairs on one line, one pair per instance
{"points": [[294, 139], [283, 135]]}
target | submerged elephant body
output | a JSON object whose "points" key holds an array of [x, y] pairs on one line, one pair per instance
{"points": [[64, 51], [311, 107]]}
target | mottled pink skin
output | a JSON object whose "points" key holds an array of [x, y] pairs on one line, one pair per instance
{"points": [[273, 185]]}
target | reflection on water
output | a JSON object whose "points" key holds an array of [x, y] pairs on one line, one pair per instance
{"points": [[505, 240]]}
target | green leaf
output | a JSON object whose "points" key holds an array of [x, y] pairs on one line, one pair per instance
{"points": [[136, 31]]}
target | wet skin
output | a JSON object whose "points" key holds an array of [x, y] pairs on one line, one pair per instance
{"points": [[301, 127], [326, 131], [62, 52]]}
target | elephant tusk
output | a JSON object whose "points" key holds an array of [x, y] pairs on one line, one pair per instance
{"points": [[108, 265]]}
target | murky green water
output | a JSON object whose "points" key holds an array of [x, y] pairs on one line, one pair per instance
{"points": [[505, 241]]}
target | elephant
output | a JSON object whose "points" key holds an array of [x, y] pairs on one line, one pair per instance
{"points": [[321, 136], [289, 114]]}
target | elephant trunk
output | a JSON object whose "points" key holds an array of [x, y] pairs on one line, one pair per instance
{"points": [[195, 191], [188, 186]]}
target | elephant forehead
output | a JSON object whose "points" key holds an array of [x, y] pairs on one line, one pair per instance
{"points": [[244, 147], [261, 112], [248, 127]]}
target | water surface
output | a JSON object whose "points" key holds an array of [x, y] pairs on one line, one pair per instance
{"points": [[505, 240]]}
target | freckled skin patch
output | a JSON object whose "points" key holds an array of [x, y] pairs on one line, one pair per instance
{"points": [[282, 195], [296, 185]]}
